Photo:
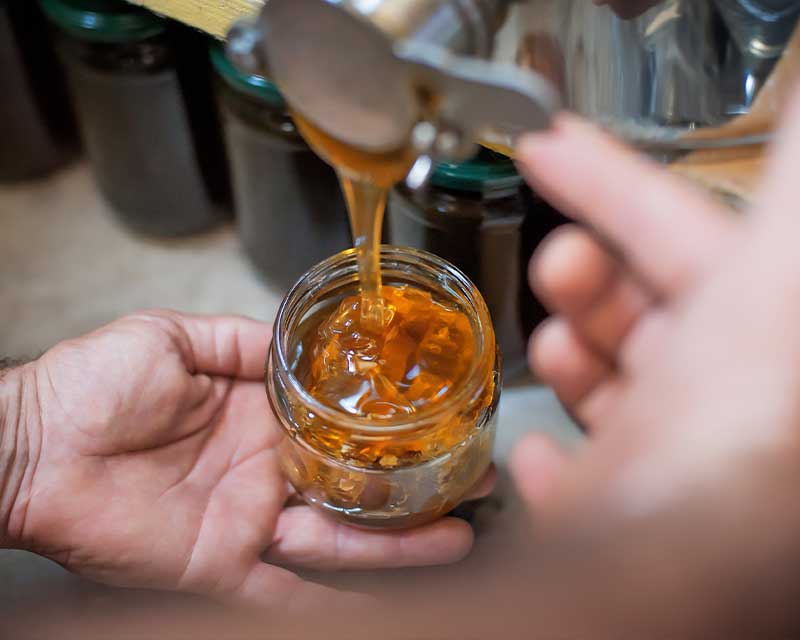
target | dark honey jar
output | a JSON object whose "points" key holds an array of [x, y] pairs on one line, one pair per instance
{"points": [[479, 216], [38, 133], [142, 91], [289, 208]]}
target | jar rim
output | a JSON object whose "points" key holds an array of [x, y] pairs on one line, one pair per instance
{"points": [[481, 366]]}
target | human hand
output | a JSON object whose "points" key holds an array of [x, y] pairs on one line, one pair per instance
{"points": [[676, 344], [152, 463]]}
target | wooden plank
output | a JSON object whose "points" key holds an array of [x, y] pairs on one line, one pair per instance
{"points": [[212, 16]]}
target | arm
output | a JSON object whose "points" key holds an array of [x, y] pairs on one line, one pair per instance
{"points": [[19, 447]]}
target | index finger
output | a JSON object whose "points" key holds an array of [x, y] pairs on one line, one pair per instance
{"points": [[663, 227]]}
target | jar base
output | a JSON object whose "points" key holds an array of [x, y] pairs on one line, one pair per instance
{"points": [[376, 522]]}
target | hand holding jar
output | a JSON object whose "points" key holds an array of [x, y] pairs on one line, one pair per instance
{"points": [[145, 454]]}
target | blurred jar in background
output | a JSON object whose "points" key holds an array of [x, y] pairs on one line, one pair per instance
{"points": [[289, 208], [142, 90], [480, 216], [37, 129]]}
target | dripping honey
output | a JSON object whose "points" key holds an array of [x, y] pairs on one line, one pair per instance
{"points": [[366, 179], [390, 350], [396, 357]]}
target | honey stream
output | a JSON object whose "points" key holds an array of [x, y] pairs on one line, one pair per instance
{"points": [[391, 350], [366, 179], [388, 353]]}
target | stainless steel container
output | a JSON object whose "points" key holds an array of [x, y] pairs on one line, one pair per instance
{"points": [[653, 71], [443, 73]]}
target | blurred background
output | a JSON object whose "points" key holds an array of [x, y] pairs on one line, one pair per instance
{"points": [[139, 169]]}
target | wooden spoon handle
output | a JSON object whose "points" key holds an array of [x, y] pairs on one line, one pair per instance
{"points": [[212, 16]]}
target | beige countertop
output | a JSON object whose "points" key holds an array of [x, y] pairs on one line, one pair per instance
{"points": [[68, 267]]}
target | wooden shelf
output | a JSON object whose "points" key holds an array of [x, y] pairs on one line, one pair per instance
{"points": [[211, 16]]}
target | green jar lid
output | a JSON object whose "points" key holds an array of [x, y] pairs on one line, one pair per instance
{"points": [[487, 172], [113, 21], [256, 86]]}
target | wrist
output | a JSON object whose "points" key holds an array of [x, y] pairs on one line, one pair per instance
{"points": [[19, 450]]}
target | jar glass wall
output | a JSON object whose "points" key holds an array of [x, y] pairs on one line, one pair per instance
{"points": [[142, 90], [393, 473], [289, 208]]}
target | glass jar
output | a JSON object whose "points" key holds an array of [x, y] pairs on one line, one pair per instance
{"points": [[289, 208], [479, 216], [395, 473], [37, 127], [142, 91]]}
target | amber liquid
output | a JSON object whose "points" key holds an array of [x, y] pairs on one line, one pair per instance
{"points": [[391, 354], [418, 360], [366, 179], [415, 360], [391, 351]]}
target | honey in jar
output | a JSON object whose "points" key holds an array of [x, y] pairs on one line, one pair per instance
{"points": [[413, 360], [386, 425]]}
